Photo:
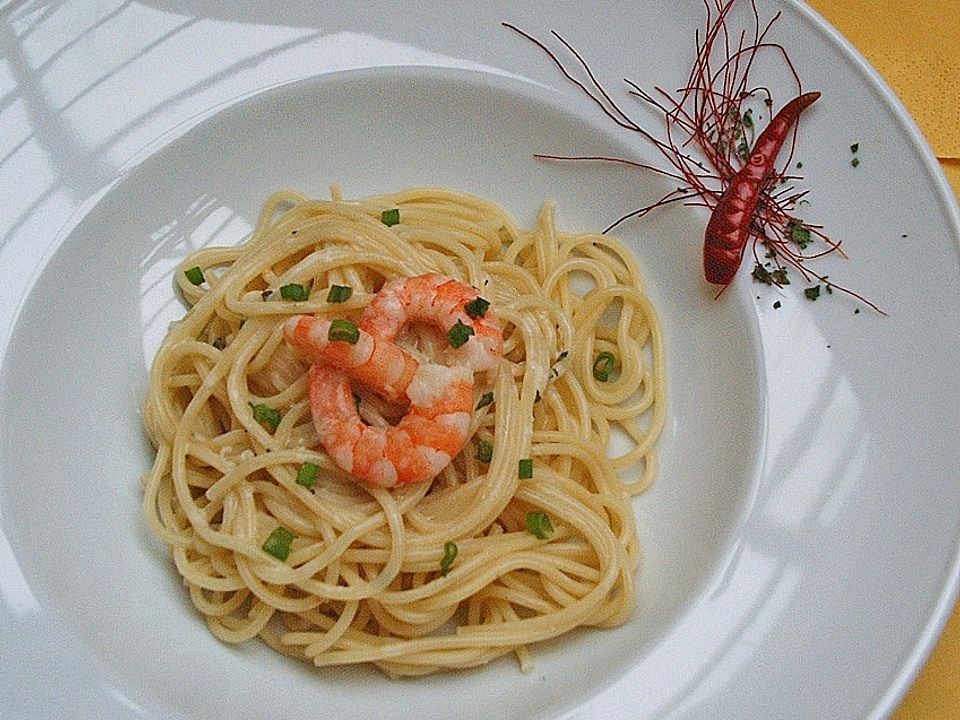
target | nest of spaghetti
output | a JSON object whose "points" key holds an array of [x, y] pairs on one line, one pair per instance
{"points": [[528, 533]]}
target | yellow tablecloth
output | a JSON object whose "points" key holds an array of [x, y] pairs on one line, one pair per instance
{"points": [[915, 46]]}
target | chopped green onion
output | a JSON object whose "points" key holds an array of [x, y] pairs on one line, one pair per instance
{"points": [[265, 414], [449, 555], [195, 275], [294, 291], [538, 524], [485, 400], [748, 118], [390, 217], [525, 469], [307, 474], [477, 307], [278, 543], [343, 330], [484, 451], [603, 366], [459, 334], [339, 293]]}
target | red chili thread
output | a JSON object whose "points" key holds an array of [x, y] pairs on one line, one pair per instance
{"points": [[708, 114]]}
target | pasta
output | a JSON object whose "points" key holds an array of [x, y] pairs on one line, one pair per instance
{"points": [[447, 574]]}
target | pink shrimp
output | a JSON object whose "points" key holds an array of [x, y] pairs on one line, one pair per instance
{"points": [[443, 303], [730, 223], [441, 397], [415, 449], [379, 364]]}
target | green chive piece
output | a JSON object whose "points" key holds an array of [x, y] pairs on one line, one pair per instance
{"points": [[538, 524], [294, 291], [263, 413], [812, 293], [195, 275], [477, 307], [390, 217], [485, 400], [339, 293], [603, 366], [525, 469], [307, 474], [484, 451], [459, 334], [449, 555], [343, 330], [278, 543]]}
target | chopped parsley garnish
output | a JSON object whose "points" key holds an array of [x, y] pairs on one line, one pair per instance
{"points": [[278, 543], [195, 275], [294, 291], [748, 118], [477, 307], [812, 293], [484, 451], [603, 365], [777, 276], [339, 293], [743, 150], [459, 334], [343, 330], [538, 524], [449, 555], [799, 234], [390, 217], [307, 474], [525, 469], [263, 413], [485, 400]]}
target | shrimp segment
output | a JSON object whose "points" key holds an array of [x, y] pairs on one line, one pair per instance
{"points": [[417, 448], [383, 366], [441, 302], [440, 396]]}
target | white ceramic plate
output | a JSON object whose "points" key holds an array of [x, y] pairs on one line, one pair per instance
{"points": [[801, 544]]}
